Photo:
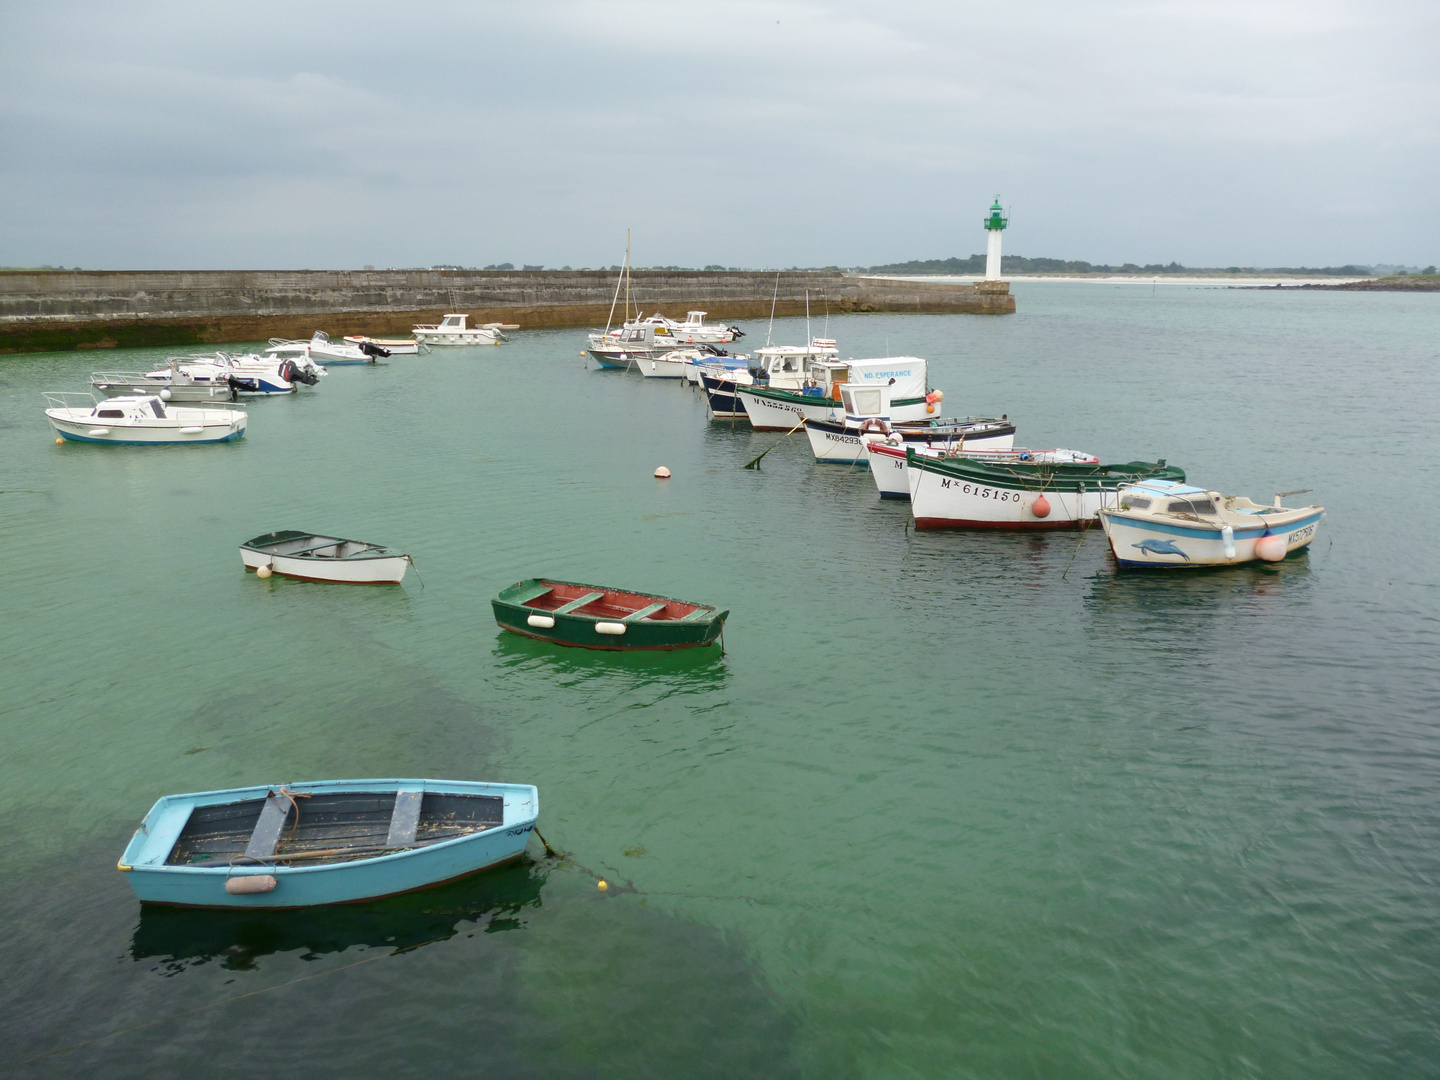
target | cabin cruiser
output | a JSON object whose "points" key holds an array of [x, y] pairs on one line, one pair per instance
{"points": [[139, 419], [452, 330]]}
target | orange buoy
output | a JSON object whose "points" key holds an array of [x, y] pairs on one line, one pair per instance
{"points": [[1040, 507], [663, 473], [1270, 548], [929, 408]]}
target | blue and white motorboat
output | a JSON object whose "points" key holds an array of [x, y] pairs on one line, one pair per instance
{"points": [[325, 842], [1167, 524], [247, 376]]}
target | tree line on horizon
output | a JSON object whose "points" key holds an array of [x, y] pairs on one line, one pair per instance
{"points": [[1019, 264]]}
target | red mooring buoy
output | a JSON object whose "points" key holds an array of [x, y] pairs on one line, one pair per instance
{"points": [[1040, 507]]}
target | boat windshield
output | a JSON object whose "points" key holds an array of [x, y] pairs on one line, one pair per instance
{"points": [[1190, 506], [159, 409]]}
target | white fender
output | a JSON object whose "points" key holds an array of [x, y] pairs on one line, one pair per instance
{"points": [[544, 622], [613, 628]]}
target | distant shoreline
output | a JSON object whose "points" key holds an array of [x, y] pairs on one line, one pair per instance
{"points": [[1236, 280]]}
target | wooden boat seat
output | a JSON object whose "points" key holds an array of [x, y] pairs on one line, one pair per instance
{"points": [[266, 837], [405, 819], [578, 602], [533, 593], [304, 550], [696, 615], [644, 612]]}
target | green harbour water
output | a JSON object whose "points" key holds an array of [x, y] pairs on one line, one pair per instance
{"points": [[950, 805]]}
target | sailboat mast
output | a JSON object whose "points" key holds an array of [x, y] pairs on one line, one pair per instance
{"points": [[627, 275], [619, 278], [772, 310]]}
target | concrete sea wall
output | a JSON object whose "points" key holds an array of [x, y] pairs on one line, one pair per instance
{"points": [[53, 310]]}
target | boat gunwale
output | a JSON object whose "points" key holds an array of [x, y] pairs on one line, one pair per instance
{"points": [[372, 551], [500, 598], [259, 793]]}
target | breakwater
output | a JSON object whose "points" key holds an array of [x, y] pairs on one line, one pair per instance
{"points": [[56, 310]]}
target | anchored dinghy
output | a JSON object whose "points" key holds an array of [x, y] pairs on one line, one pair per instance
{"points": [[327, 842], [598, 617]]}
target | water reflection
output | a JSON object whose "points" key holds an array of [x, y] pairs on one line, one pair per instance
{"points": [[183, 937], [1250, 587], [679, 670]]}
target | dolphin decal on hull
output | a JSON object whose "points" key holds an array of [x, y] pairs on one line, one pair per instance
{"points": [[1160, 547]]}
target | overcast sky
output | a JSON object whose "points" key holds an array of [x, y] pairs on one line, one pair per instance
{"points": [[319, 135]]}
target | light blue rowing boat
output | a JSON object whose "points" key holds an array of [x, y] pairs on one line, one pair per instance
{"points": [[326, 842]]}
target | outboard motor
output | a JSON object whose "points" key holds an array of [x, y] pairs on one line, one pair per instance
{"points": [[237, 384], [370, 349], [292, 372]]}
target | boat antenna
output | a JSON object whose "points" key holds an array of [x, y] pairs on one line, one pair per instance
{"points": [[627, 275], [616, 298], [772, 308], [808, 339]]}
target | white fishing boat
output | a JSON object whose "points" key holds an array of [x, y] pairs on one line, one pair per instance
{"points": [[140, 419], [1158, 523], [393, 346], [452, 330], [886, 456], [785, 367], [864, 413], [962, 492], [323, 558], [779, 408]]}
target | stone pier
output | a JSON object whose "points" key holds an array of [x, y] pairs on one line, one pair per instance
{"points": [[55, 310]]}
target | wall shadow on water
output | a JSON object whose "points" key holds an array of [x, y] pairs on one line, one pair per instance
{"points": [[183, 937]]}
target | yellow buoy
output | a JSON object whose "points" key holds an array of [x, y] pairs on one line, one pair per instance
{"points": [[263, 572], [59, 442], [603, 885]]}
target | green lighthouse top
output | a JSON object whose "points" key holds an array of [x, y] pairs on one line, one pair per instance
{"points": [[995, 221]]}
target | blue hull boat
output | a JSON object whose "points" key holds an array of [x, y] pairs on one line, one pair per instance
{"points": [[326, 842]]}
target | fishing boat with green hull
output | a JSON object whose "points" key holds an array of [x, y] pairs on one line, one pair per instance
{"points": [[598, 617], [964, 493]]}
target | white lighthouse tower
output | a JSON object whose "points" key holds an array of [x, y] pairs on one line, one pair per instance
{"points": [[994, 226]]}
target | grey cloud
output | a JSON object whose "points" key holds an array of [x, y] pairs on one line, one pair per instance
{"points": [[742, 133]]}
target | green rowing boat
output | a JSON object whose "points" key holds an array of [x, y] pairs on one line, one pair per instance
{"points": [[598, 617]]}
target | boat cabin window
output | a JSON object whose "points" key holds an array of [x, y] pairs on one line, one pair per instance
{"points": [[112, 413], [866, 401], [1136, 504], [1190, 506], [159, 412]]}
